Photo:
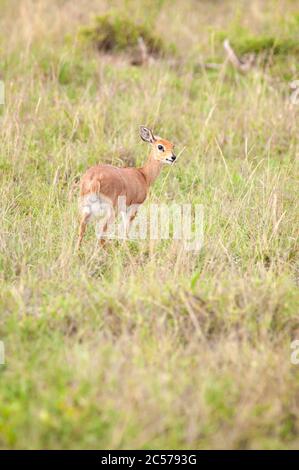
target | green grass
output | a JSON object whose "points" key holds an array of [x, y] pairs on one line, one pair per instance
{"points": [[145, 345]]}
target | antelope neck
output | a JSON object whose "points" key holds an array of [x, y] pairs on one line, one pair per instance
{"points": [[151, 169]]}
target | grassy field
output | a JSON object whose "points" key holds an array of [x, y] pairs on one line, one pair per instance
{"points": [[144, 345]]}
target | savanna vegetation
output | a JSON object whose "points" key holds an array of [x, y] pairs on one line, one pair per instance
{"points": [[142, 344]]}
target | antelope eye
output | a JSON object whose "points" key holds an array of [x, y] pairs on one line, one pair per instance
{"points": [[160, 147]]}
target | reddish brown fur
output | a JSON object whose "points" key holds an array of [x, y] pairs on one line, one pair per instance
{"points": [[132, 183]]}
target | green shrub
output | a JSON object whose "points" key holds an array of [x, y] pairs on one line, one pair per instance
{"points": [[244, 42], [266, 43], [113, 32]]}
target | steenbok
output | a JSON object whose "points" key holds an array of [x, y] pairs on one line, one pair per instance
{"points": [[102, 185]]}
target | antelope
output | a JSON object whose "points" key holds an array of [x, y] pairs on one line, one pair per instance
{"points": [[102, 185]]}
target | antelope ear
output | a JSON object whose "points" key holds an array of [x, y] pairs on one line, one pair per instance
{"points": [[147, 135]]}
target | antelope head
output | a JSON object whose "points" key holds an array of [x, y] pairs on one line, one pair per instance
{"points": [[162, 149]]}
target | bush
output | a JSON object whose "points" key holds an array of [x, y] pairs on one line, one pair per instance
{"points": [[244, 42], [113, 32], [266, 43]]}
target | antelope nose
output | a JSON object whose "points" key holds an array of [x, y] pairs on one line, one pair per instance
{"points": [[173, 157]]}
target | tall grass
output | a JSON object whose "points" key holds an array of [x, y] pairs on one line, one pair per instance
{"points": [[144, 345]]}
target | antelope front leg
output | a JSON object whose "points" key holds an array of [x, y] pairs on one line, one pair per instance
{"points": [[103, 227], [131, 214], [102, 241]]}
